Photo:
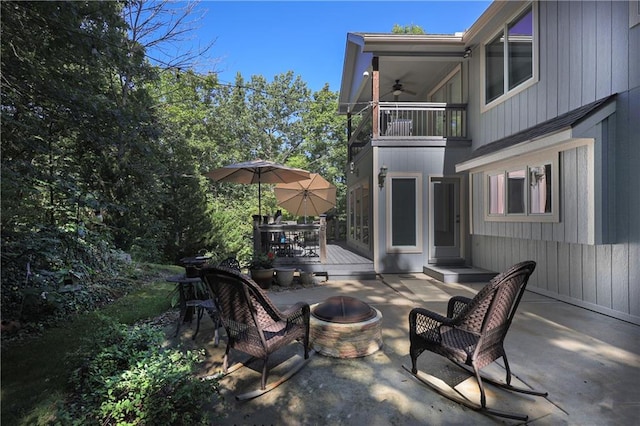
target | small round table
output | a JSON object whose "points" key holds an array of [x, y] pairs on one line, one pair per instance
{"points": [[187, 297], [192, 265]]}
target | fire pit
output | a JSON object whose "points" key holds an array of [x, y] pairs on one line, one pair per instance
{"points": [[345, 327]]}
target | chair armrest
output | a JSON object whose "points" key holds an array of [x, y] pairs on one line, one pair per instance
{"points": [[456, 305], [426, 323], [421, 312], [294, 313], [293, 309]]}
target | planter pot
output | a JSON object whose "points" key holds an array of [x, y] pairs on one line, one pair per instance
{"points": [[262, 277], [284, 276], [306, 278]]}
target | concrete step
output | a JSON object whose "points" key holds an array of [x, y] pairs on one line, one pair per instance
{"points": [[334, 272], [458, 273]]}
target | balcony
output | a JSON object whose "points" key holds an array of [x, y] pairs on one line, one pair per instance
{"points": [[408, 124]]}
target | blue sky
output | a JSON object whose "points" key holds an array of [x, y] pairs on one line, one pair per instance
{"points": [[309, 37]]}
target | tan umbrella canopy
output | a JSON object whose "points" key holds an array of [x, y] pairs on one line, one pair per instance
{"points": [[258, 171], [309, 197]]}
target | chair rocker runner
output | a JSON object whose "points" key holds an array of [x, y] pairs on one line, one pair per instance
{"points": [[253, 324], [472, 334]]}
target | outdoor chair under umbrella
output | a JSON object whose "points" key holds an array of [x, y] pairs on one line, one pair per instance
{"points": [[309, 197], [258, 171]]}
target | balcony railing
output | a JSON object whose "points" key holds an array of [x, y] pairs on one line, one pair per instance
{"points": [[410, 120], [416, 119]]}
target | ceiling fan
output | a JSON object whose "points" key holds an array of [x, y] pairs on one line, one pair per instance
{"points": [[397, 89]]}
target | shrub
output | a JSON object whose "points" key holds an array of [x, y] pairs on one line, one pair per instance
{"points": [[130, 379]]}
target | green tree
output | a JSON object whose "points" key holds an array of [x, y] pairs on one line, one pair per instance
{"points": [[407, 29], [72, 145], [185, 107], [325, 147]]}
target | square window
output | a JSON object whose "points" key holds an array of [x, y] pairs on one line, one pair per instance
{"points": [[494, 62], [510, 58], [524, 192], [540, 189], [496, 194], [520, 47]]}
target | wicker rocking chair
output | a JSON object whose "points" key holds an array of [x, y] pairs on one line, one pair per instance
{"points": [[253, 324], [472, 334], [208, 305]]}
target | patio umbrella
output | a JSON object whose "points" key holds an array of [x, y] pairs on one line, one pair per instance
{"points": [[257, 171], [311, 196]]}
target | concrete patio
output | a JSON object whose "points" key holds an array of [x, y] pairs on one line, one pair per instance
{"points": [[587, 362]]}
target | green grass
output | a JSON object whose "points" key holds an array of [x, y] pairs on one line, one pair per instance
{"points": [[35, 373]]}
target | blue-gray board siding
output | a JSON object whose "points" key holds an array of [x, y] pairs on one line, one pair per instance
{"points": [[587, 51], [601, 275], [577, 273]]}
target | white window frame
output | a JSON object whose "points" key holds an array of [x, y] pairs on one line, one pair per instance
{"points": [[535, 58], [417, 248], [634, 13], [524, 163], [357, 228]]}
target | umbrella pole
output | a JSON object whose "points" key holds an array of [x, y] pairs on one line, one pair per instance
{"points": [[259, 200]]}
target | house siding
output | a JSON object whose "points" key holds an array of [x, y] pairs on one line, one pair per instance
{"points": [[424, 160], [587, 52]]}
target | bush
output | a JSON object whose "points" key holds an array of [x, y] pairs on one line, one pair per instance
{"points": [[51, 273], [130, 379]]}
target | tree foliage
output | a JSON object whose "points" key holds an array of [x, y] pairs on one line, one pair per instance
{"points": [[103, 150], [407, 29]]}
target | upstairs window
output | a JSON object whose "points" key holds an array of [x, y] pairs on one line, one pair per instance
{"points": [[509, 59]]}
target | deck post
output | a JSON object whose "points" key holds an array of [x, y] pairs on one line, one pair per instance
{"points": [[322, 238], [257, 240], [375, 95]]}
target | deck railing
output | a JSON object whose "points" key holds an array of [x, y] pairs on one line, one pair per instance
{"points": [[409, 120], [293, 243], [418, 119]]}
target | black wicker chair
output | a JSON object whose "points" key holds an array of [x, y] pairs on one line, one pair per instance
{"points": [[473, 333], [231, 263], [208, 305], [253, 324]]}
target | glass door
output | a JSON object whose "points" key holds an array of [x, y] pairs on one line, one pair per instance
{"points": [[359, 226], [444, 220]]}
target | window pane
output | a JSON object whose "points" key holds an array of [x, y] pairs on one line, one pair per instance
{"points": [[516, 194], [540, 189], [496, 194], [352, 215], [444, 216], [403, 212], [494, 71], [365, 214], [358, 216], [520, 48]]}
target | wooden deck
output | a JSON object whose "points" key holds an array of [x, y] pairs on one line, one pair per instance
{"points": [[341, 264]]}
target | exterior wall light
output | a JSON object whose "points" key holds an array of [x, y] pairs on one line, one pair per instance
{"points": [[467, 53], [382, 175]]}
